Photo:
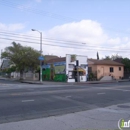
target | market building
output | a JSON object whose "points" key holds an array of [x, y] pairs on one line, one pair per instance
{"points": [[72, 68]]}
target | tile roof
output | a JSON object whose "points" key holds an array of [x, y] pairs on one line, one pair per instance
{"points": [[105, 62], [119, 60]]}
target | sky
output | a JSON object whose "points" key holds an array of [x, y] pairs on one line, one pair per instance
{"points": [[82, 27]]}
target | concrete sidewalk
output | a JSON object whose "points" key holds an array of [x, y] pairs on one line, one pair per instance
{"points": [[76, 83], [65, 83], [45, 82], [99, 119]]}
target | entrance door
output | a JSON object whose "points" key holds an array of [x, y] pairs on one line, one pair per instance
{"points": [[102, 71]]}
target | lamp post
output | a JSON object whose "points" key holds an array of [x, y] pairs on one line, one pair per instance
{"points": [[40, 53]]}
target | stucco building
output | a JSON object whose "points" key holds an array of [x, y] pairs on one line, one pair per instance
{"points": [[102, 68], [72, 68]]}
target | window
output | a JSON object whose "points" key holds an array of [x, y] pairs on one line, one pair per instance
{"points": [[71, 66], [89, 69], [119, 68], [111, 69], [83, 65]]}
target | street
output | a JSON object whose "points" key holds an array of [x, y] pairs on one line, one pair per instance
{"points": [[37, 101]]}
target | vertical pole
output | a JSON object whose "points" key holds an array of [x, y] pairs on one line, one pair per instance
{"points": [[41, 55], [77, 65], [1, 57]]}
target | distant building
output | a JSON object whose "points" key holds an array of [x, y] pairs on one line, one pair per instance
{"points": [[49, 57], [5, 64]]}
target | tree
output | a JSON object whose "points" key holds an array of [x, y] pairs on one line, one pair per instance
{"points": [[126, 62], [112, 57], [9, 70], [22, 57], [107, 58], [116, 56], [97, 56]]}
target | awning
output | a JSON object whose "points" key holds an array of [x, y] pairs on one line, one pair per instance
{"points": [[80, 69]]}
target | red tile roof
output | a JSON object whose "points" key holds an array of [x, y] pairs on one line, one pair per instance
{"points": [[105, 62]]}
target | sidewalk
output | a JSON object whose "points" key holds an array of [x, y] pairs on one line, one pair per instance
{"points": [[76, 83], [99, 119], [65, 83]]}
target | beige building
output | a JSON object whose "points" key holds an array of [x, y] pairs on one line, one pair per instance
{"points": [[105, 68]]}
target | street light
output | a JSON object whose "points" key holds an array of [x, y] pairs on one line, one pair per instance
{"points": [[40, 53]]}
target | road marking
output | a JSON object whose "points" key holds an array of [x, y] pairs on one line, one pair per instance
{"points": [[100, 93], [114, 89], [28, 100], [126, 90]]}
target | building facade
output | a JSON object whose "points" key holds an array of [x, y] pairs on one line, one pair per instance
{"points": [[72, 68], [102, 68]]}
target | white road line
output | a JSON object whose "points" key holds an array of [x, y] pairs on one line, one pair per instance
{"points": [[28, 100], [100, 93], [126, 90], [114, 89]]}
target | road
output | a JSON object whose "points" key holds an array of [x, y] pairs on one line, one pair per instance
{"points": [[24, 101]]}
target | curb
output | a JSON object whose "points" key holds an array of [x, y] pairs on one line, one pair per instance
{"points": [[80, 83], [103, 82], [65, 83], [29, 82]]}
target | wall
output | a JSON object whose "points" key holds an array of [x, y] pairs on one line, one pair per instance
{"points": [[55, 71], [70, 66], [94, 67], [28, 75], [104, 70]]}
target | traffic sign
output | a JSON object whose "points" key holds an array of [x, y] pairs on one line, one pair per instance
{"points": [[41, 58]]}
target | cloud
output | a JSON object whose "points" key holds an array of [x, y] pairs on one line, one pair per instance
{"points": [[12, 27], [8, 28], [29, 5], [114, 41], [91, 33], [88, 32]]}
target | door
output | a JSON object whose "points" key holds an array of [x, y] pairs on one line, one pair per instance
{"points": [[102, 71]]}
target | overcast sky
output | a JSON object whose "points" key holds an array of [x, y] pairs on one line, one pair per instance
{"points": [[86, 26]]}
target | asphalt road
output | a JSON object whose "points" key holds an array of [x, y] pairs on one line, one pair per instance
{"points": [[25, 101]]}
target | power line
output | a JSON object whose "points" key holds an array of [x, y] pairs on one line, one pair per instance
{"points": [[46, 43], [45, 13], [36, 11], [16, 35], [50, 40]]}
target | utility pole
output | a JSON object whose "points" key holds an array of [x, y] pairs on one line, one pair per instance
{"points": [[1, 57], [40, 53]]}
